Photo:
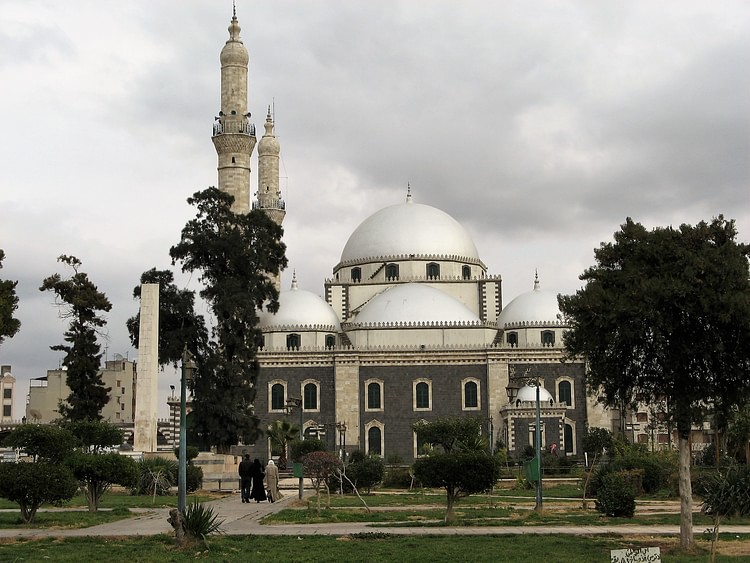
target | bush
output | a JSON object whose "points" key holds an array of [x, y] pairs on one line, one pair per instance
{"points": [[200, 521], [397, 477], [156, 476], [34, 484], [300, 448], [615, 496], [367, 472], [193, 478]]}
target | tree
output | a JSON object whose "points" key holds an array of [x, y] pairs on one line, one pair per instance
{"points": [[179, 325], [43, 443], [725, 494], [452, 433], [44, 480], [319, 467], [95, 469], [665, 315], [595, 441], [367, 471], [97, 472], [80, 301], [281, 432], [9, 325], [237, 256], [458, 463]]}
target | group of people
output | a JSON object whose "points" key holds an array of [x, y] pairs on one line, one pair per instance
{"points": [[252, 475]]}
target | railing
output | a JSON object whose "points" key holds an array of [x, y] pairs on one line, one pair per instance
{"points": [[276, 204], [234, 126]]}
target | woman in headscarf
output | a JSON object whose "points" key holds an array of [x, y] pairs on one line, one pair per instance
{"points": [[272, 481], [259, 491]]}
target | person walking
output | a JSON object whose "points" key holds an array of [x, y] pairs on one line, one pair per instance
{"points": [[246, 477], [272, 481], [259, 490]]}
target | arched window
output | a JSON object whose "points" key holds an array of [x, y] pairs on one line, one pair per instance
{"points": [[293, 341], [569, 443], [374, 396], [278, 401], [419, 444], [310, 392], [548, 338], [512, 339], [374, 441], [433, 270], [391, 271], [356, 274], [330, 341], [564, 394], [466, 272], [471, 395], [422, 395]]}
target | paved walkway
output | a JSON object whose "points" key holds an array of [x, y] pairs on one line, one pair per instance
{"points": [[243, 519]]}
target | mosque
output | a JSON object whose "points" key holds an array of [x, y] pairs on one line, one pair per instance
{"points": [[412, 326]]}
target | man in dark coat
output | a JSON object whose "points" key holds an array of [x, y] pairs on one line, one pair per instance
{"points": [[246, 477]]}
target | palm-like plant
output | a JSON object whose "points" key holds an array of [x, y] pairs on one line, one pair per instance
{"points": [[281, 432]]}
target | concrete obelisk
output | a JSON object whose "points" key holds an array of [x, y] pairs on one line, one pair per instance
{"points": [[146, 388]]}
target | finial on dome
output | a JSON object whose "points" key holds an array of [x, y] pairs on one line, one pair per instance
{"points": [[294, 280], [408, 192], [536, 279], [268, 115], [234, 10]]}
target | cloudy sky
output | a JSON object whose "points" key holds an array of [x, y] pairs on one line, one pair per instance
{"points": [[539, 125]]}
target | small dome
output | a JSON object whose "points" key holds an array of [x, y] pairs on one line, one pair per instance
{"points": [[414, 303], [409, 229], [300, 308], [528, 393], [234, 52], [268, 144], [536, 307]]}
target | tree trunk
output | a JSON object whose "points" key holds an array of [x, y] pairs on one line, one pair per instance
{"points": [[449, 516], [686, 494], [175, 519]]}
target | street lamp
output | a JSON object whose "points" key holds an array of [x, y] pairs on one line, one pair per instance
{"points": [[291, 404], [173, 414], [512, 390], [188, 366]]}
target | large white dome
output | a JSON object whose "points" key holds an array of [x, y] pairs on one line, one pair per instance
{"points": [[536, 307], [414, 303], [300, 308], [409, 229]]}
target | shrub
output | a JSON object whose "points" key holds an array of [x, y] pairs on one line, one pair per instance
{"points": [[193, 478], [367, 472], [157, 476], [200, 521], [615, 496], [34, 484], [191, 452], [300, 448], [397, 478]]}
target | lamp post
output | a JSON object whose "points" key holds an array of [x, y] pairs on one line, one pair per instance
{"points": [[172, 413], [512, 390], [186, 374], [291, 404]]}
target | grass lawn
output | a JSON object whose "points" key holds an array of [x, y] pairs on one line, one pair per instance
{"points": [[64, 519], [363, 547], [117, 499]]}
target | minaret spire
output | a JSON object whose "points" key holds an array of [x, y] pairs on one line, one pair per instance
{"points": [[269, 192], [234, 135]]}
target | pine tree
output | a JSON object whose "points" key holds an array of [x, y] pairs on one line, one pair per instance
{"points": [[80, 301]]}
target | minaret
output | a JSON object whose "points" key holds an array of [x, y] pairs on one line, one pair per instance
{"points": [[269, 194], [234, 135]]}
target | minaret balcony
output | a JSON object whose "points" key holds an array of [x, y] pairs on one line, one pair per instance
{"points": [[275, 204], [241, 127]]}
